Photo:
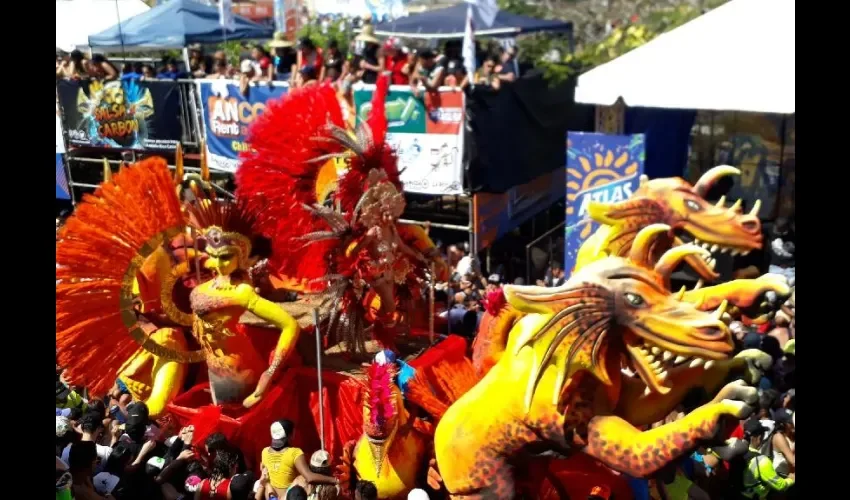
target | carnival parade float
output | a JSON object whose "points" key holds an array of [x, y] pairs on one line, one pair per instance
{"points": [[175, 292]]}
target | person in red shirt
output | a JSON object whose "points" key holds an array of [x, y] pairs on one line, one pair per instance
{"points": [[309, 55], [397, 61], [262, 63]]}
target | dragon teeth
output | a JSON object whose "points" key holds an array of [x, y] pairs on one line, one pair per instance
{"points": [[709, 364], [656, 364], [667, 355], [655, 350], [696, 363], [680, 359], [714, 248], [647, 391], [662, 376]]}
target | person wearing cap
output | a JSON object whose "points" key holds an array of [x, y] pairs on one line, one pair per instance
{"points": [[306, 77], [370, 62], [320, 463], [780, 445], [282, 463], [92, 428], [753, 474]]}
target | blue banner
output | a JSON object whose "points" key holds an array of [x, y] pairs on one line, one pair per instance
{"points": [[603, 168], [228, 114], [63, 191]]}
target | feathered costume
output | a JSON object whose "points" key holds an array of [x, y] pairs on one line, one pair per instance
{"points": [[320, 233]]}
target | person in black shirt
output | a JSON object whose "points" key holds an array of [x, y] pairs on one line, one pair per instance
{"points": [[370, 60], [782, 249], [507, 70], [284, 56]]}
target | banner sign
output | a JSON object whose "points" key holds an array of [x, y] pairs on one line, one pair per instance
{"points": [[602, 168], [127, 114], [63, 191], [428, 138], [227, 116], [495, 215]]}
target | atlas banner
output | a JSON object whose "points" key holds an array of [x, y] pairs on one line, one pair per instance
{"points": [[63, 191], [602, 168], [428, 137], [128, 114], [228, 114], [495, 215]]}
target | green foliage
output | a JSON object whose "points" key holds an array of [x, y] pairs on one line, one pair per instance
{"points": [[333, 32], [639, 21]]}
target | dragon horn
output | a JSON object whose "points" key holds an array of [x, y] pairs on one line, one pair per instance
{"points": [[107, 171], [671, 258], [641, 253], [178, 164], [205, 168], [713, 175]]}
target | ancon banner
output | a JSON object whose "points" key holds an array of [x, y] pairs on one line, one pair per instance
{"points": [[121, 114], [602, 168], [428, 137], [227, 116]]}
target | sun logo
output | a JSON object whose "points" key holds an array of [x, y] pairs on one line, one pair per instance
{"points": [[597, 168]]}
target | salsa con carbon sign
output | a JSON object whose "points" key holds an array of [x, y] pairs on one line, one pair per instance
{"points": [[121, 114]]}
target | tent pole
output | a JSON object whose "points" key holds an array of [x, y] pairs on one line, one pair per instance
{"points": [[186, 60]]}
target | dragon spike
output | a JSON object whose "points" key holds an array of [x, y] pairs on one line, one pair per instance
{"points": [[178, 164], [721, 309], [721, 203], [736, 208], [713, 175], [756, 207], [107, 171], [643, 179], [205, 168], [681, 295], [641, 251], [671, 258], [699, 284]]}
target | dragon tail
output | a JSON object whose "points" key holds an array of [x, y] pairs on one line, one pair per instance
{"points": [[99, 252]]}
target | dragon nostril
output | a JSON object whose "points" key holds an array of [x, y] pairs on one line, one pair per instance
{"points": [[751, 225]]}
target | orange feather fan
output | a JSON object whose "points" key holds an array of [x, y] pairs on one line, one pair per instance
{"points": [[96, 247], [434, 388]]}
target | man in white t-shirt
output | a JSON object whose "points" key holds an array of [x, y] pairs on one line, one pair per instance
{"points": [[91, 426]]}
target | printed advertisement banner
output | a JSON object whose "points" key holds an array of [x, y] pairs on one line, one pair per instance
{"points": [[227, 116], [428, 138], [497, 214], [63, 191], [126, 115], [602, 168]]}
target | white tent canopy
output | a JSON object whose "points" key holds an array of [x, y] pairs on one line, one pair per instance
{"points": [[77, 19], [737, 57]]}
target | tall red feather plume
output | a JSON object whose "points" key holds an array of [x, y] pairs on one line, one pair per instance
{"points": [[380, 393], [380, 155], [278, 177], [495, 301], [94, 252]]}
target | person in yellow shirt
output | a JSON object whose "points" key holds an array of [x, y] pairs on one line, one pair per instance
{"points": [[284, 463]]}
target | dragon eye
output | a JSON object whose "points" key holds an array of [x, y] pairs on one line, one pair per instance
{"points": [[634, 299], [692, 206]]}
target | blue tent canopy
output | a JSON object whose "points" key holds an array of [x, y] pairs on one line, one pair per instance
{"points": [[450, 23], [176, 24]]}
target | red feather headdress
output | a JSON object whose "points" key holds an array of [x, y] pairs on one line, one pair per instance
{"points": [[291, 141], [381, 398]]}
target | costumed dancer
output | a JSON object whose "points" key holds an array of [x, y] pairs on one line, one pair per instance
{"points": [[99, 253], [330, 201]]}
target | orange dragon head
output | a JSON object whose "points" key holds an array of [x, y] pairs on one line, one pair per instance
{"points": [[678, 204], [619, 311]]}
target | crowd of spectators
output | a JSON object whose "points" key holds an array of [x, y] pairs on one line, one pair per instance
{"points": [[304, 63]]}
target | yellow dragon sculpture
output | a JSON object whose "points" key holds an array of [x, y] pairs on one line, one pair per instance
{"points": [[681, 206], [560, 386]]}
